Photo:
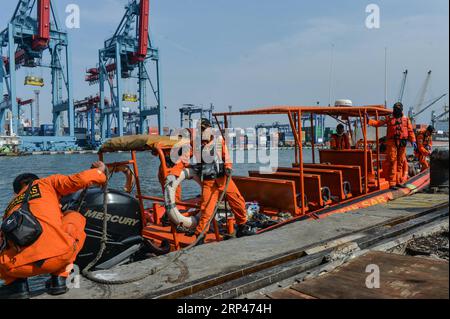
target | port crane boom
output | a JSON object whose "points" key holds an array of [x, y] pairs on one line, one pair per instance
{"points": [[32, 32], [403, 86], [428, 106], [125, 57]]}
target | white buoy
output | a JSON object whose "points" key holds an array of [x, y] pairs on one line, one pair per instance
{"points": [[171, 187]]}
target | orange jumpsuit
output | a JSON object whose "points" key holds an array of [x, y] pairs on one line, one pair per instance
{"points": [[398, 130], [404, 174], [424, 145], [211, 191], [63, 235], [340, 142]]}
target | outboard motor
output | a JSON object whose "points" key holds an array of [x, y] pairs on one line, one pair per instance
{"points": [[124, 226]]}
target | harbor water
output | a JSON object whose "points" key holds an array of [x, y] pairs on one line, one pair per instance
{"points": [[47, 165]]}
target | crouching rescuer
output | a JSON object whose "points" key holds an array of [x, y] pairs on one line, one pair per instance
{"points": [[214, 171], [37, 237], [424, 146]]}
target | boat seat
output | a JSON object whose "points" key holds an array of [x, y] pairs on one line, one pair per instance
{"points": [[274, 196], [313, 186], [351, 174], [349, 157], [329, 178]]}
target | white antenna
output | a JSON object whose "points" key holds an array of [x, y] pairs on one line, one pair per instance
{"points": [[330, 92], [385, 77]]}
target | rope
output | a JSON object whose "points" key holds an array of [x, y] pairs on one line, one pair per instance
{"points": [[104, 238], [89, 275]]}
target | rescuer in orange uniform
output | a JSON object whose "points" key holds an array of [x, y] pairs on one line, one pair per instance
{"points": [[385, 166], [62, 235], [213, 185], [340, 140], [399, 132], [424, 146]]}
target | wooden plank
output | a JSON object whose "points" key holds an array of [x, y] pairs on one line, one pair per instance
{"points": [[401, 277]]}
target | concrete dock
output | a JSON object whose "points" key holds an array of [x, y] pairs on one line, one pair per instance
{"points": [[401, 277], [218, 258]]}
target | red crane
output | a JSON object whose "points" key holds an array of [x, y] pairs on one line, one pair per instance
{"points": [[142, 34], [41, 40], [140, 55]]}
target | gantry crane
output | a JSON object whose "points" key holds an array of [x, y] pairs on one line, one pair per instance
{"points": [[126, 56], [440, 118], [187, 110], [87, 111], [318, 122], [32, 32]]}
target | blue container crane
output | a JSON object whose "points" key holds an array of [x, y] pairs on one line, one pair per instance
{"points": [[127, 51], [23, 44]]}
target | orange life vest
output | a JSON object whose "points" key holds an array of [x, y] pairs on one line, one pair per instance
{"points": [[340, 142], [424, 142], [398, 129], [44, 204]]}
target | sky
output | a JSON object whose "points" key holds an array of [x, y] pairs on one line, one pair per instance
{"points": [[257, 53]]}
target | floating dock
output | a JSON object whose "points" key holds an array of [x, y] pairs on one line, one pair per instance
{"points": [[235, 268]]}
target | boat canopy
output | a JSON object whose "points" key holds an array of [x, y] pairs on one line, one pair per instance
{"points": [[354, 111], [140, 143]]}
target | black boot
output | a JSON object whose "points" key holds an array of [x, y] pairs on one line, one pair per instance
{"points": [[201, 241], [17, 290], [56, 286], [165, 221], [245, 230], [191, 233]]}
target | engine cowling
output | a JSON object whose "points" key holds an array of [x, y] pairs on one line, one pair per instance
{"points": [[124, 224]]}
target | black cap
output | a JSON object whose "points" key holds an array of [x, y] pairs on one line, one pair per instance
{"points": [[340, 127], [431, 129], [399, 105], [26, 179], [205, 123]]}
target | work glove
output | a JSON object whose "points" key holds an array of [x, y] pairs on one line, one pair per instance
{"points": [[228, 171], [100, 166]]}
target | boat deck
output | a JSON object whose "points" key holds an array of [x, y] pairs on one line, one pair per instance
{"points": [[212, 260]]}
